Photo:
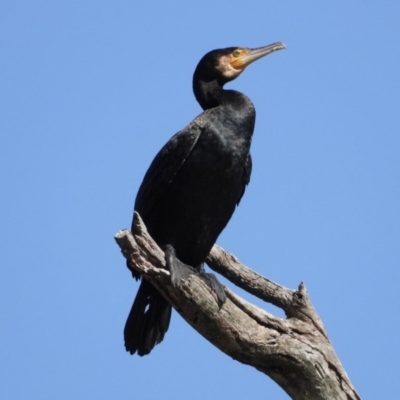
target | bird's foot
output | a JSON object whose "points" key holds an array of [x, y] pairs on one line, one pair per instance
{"points": [[177, 268], [215, 286], [180, 270]]}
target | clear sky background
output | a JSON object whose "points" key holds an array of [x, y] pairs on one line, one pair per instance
{"points": [[91, 90]]}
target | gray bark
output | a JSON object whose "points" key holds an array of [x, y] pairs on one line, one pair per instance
{"points": [[295, 352]]}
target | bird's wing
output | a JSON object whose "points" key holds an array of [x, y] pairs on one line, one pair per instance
{"points": [[246, 176], [165, 166]]}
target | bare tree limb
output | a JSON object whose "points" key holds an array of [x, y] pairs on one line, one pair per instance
{"points": [[296, 304], [295, 352]]}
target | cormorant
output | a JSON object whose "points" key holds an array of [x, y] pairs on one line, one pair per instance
{"points": [[193, 186]]}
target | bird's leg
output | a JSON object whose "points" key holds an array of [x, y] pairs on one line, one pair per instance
{"points": [[177, 268], [180, 270]]}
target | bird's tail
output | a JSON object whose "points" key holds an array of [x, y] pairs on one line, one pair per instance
{"points": [[147, 321]]}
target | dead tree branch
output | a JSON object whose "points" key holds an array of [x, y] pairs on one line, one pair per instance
{"points": [[295, 352]]}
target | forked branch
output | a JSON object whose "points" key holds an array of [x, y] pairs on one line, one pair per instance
{"points": [[295, 352]]}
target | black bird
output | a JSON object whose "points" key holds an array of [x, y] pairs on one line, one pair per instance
{"points": [[193, 186]]}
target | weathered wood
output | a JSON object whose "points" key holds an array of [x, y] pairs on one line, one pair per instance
{"points": [[295, 352]]}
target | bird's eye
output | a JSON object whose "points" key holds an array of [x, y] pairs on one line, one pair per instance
{"points": [[237, 53]]}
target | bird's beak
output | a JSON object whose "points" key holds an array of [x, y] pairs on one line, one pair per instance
{"points": [[251, 55]]}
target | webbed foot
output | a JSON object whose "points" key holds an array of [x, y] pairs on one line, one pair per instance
{"points": [[180, 270], [177, 268], [215, 286]]}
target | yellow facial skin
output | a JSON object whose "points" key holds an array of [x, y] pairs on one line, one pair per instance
{"points": [[242, 57]]}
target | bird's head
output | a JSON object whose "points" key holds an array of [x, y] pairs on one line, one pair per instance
{"points": [[227, 64]]}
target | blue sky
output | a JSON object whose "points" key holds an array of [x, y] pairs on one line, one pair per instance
{"points": [[91, 90]]}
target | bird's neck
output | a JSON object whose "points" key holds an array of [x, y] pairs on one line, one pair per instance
{"points": [[210, 94]]}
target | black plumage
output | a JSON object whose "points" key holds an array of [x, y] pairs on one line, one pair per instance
{"points": [[194, 184]]}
